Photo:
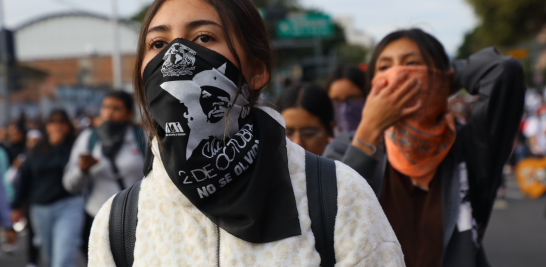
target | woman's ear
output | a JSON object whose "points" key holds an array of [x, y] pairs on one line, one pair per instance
{"points": [[260, 76]]}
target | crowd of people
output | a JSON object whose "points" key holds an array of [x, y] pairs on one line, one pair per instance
{"points": [[528, 161], [419, 145], [57, 176]]}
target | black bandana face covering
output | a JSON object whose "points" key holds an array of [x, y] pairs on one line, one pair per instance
{"points": [[236, 173], [112, 136]]}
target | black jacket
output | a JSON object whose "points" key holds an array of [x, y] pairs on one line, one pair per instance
{"points": [[42, 177], [483, 146]]}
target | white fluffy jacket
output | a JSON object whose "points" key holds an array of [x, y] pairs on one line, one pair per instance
{"points": [[173, 232]]}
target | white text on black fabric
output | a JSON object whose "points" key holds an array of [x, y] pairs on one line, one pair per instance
{"points": [[198, 174], [205, 191], [226, 154], [233, 147]]}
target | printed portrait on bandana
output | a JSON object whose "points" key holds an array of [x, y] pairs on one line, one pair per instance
{"points": [[215, 103], [208, 97]]}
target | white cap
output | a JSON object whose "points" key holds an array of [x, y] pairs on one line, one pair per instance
{"points": [[34, 134]]}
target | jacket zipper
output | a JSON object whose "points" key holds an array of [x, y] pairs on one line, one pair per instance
{"points": [[218, 231]]}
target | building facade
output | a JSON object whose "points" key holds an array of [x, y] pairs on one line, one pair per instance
{"points": [[74, 51]]}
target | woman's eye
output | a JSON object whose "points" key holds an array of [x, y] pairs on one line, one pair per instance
{"points": [[204, 39], [383, 68], [158, 45], [413, 63]]}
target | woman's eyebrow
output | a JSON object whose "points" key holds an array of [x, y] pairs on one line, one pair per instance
{"points": [[410, 54], [198, 23], [159, 28]]}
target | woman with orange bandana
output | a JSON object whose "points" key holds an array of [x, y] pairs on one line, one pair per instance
{"points": [[435, 180]]}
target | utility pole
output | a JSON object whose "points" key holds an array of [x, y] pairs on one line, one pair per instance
{"points": [[318, 56], [116, 56], [4, 93]]}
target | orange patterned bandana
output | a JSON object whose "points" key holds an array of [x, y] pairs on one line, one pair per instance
{"points": [[417, 144]]}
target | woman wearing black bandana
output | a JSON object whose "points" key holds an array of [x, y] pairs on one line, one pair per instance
{"points": [[223, 186]]}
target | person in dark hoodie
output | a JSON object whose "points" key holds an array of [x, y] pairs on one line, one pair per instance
{"points": [[56, 215], [436, 181], [16, 137]]}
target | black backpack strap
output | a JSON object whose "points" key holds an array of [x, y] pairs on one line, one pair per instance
{"points": [[122, 226], [322, 198]]}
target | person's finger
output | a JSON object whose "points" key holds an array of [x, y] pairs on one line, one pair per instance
{"points": [[412, 91], [398, 81], [378, 87], [410, 110], [408, 86]]}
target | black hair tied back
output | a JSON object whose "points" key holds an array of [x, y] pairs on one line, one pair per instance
{"points": [[313, 99]]}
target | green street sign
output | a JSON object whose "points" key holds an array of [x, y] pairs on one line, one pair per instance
{"points": [[306, 26]]}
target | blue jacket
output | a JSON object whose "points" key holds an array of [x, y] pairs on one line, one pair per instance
{"points": [[5, 211]]}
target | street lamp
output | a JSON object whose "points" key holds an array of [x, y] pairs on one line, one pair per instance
{"points": [[4, 93]]}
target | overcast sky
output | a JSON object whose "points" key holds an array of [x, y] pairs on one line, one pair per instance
{"points": [[448, 20]]}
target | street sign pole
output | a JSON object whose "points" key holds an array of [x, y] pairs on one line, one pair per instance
{"points": [[4, 93], [318, 56], [311, 26], [116, 55]]}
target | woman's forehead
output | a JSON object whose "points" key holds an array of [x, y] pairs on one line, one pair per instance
{"points": [[400, 47], [179, 13]]}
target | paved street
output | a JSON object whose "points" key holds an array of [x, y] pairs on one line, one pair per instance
{"points": [[516, 235], [17, 259]]}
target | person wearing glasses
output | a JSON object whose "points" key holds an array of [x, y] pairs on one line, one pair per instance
{"points": [[346, 87], [309, 116]]}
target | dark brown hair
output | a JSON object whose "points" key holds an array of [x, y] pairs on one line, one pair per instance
{"points": [[353, 74], [241, 22], [313, 99], [431, 49], [124, 97], [43, 146]]}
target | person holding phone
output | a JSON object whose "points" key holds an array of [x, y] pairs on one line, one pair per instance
{"points": [[106, 159]]}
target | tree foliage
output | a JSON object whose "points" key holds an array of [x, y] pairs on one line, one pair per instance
{"points": [[509, 21], [290, 4], [504, 23], [352, 54], [141, 14]]}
